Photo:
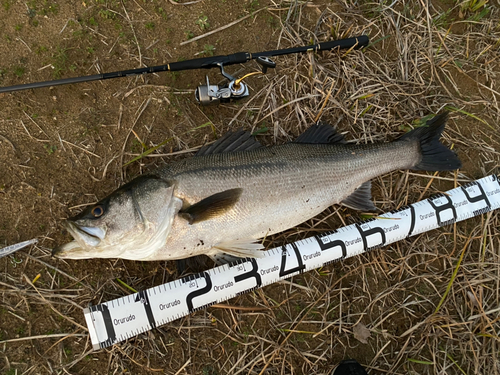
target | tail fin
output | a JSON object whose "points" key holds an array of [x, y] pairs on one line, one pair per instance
{"points": [[435, 155]]}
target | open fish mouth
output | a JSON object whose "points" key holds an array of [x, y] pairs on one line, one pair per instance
{"points": [[90, 236], [83, 237], [95, 233]]}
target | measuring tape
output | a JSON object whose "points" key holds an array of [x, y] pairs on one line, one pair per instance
{"points": [[129, 316]]}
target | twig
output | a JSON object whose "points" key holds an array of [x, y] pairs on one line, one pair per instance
{"points": [[222, 27], [286, 105], [241, 308], [8, 141], [135, 36], [45, 337], [34, 122], [324, 102], [81, 148], [52, 307], [183, 366], [188, 3], [58, 270], [141, 110]]}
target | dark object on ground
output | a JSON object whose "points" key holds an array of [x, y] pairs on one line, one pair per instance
{"points": [[349, 367], [194, 264]]}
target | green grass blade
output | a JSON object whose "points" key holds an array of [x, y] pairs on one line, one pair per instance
{"points": [[148, 151], [455, 109], [153, 149], [126, 285], [296, 331], [378, 40], [261, 130], [420, 361], [455, 363], [453, 276]]}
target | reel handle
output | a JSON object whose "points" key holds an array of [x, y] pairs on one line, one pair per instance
{"points": [[265, 62]]}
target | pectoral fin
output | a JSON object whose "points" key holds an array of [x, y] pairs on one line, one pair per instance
{"points": [[211, 206], [361, 198]]}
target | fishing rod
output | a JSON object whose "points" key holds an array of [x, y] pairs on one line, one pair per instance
{"points": [[206, 94]]}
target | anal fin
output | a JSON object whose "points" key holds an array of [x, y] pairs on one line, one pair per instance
{"points": [[361, 198], [246, 248]]}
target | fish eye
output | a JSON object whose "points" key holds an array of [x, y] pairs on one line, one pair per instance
{"points": [[97, 211]]}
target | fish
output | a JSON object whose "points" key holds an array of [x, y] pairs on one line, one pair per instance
{"points": [[233, 192]]}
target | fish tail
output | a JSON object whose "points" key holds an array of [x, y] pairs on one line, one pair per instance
{"points": [[435, 155]]}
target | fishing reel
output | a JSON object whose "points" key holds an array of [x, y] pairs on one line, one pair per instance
{"points": [[234, 89]]}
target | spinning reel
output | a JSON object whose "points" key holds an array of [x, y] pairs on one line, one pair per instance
{"points": [[234, 89]]}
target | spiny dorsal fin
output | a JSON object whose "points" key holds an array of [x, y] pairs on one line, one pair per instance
{"points": [[239, 140], [361, 198], [211, 206], [320, 133]]}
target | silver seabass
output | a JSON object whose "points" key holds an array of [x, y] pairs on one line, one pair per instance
{"points": [[235, 192]]}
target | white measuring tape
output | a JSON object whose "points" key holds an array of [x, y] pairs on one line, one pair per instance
{"points": [[126, 317]]}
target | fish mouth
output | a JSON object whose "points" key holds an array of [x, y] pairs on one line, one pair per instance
{"points": [[84, 237]]}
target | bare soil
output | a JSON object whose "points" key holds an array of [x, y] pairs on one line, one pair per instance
{"points": [[64, 147]]}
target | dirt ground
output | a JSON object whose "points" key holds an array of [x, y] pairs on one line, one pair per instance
{"points": [[65, 147]]}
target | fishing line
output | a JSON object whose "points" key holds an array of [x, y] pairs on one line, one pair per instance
{"points": [[126, 317]]}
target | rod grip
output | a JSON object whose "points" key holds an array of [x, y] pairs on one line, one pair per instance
{"points": [[356, 42]]}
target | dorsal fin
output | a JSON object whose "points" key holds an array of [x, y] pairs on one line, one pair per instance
{"points": [[239, 140], [361, 199], [320, 133]]}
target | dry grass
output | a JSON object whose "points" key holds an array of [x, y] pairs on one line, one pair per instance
{"points": [[425, 57]]}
